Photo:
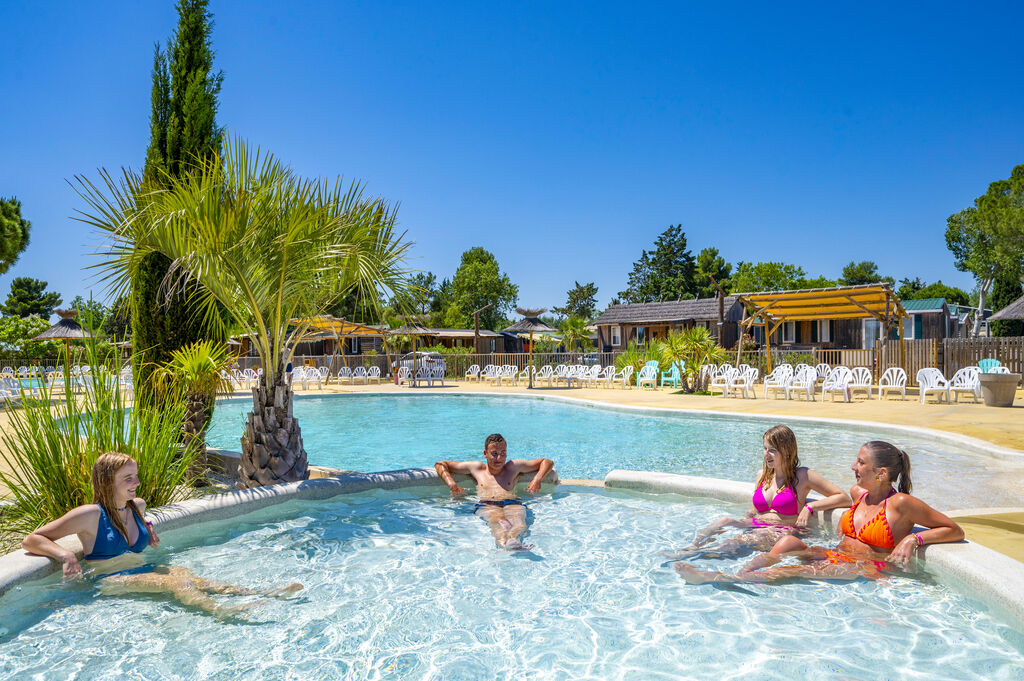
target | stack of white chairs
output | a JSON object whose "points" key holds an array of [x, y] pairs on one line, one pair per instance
{"points": [[473, 373], [778, 379], [744, 381], [509, 374], [804, 381], [624, 375], [931, 380], [966, 380], [606, 376], [492, 373], [726, 373], [591, 375], [837, 381], [373, 374], [251, 377], [894, 378], [861, 381], [525, 373]]}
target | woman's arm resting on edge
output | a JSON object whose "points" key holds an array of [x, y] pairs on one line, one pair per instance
{"points": [[941, 528], [42, 542]]}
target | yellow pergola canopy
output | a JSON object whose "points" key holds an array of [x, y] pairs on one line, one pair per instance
{"points": [[331, 327], [875, 301]]}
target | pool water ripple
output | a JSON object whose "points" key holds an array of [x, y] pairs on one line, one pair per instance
{"points": [[406, 585], [370, 433]]}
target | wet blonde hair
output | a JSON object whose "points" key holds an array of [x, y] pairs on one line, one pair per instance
{"points": [[783, 440], [103, 473], [894, 460]]}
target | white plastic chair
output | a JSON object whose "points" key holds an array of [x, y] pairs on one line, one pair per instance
{"points": [[823, 370], [837, 381], [359, 374], [473, 373], [648, 376], [861, 381], [778, 379], [373, 374], [931, 380], [345, 374], [404, 375], [894, 378], [546, 373], [966, 381]]}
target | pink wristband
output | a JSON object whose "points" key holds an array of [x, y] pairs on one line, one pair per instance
{"points": [[920, 542], [808, 507]]}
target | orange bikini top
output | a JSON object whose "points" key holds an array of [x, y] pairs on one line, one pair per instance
{"points": [[876, 532]]}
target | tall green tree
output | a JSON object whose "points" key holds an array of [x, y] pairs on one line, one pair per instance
{"points": [[864, 272], [969, 235], [14, 231], [269, 248], [1005, 290], [952, 294], [92, 314], [183, 132], [665, 273], [1004, 201], [478, 282], [28, 296], [909, 287], [581, 301], [711, 264], [766, 276]]}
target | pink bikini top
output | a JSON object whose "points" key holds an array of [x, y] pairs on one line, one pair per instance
{"points": [[784, 502]]}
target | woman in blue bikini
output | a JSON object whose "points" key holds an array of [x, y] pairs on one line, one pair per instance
{"points": [[114, 525]]}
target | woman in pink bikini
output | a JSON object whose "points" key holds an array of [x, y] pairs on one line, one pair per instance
{"points": [[878, 531], [779, 505]]}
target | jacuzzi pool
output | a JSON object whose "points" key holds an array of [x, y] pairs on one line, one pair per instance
{"points": [[385, 432], [407, 585]]}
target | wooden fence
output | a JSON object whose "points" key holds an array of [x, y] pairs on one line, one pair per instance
{"points": [[958, 353]]}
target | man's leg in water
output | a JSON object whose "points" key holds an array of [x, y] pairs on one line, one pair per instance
{"points": [[494, 516], [516, 515]]}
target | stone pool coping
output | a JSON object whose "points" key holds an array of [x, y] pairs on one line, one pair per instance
{"points": [[991, 576]]}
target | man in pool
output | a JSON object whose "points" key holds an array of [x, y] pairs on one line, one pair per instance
{"points": [[496, 488]]}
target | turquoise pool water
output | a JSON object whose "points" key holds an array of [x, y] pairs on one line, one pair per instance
{"points": [[370, 433], [407, 585]]}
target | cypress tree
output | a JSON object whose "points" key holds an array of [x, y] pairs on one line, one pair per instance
{"points": [[183, 131], [1005, 290]]}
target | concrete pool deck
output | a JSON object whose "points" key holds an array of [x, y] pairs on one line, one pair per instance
{"points": [[991, 577]]}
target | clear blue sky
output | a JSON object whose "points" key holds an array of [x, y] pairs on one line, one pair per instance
{"points": [[563, 137]]}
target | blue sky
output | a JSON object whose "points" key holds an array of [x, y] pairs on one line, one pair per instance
{"points": [[563, 137]]}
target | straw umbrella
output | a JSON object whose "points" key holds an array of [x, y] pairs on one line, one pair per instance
{"points": [[67, 329], [530, 323]]}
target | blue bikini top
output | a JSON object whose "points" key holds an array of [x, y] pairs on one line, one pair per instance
{"points": [[110, 542]]}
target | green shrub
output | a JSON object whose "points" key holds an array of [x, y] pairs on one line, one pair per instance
{"points": [[53, 439]]}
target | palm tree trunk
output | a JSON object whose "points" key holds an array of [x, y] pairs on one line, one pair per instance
{"points": [[272, 450]]}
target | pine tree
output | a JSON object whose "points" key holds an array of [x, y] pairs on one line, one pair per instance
{"points": [[183, 131], [13, 232], [1005, 290]]}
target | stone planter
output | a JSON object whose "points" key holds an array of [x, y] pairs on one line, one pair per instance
{"points": [[998, 389]]}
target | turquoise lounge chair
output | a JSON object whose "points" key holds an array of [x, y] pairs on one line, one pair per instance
{"points": [[674, 374], [988, 364]]}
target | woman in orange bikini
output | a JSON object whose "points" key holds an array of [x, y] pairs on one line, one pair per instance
{"points": [[779, 505], [876, 531]]}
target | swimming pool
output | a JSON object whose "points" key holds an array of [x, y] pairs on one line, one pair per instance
{"points": [[385, 432], [407, 585]]}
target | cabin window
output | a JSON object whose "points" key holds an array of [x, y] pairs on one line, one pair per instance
{"points": [[789, 332], [616, 333], [494, 344], [823, 331], [872, 330], [355, 346], [641, 335]]}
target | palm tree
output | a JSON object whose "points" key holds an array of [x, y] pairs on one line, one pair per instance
{"points": [[273, 249], [696, 347], [195, 374], [575, 334]]}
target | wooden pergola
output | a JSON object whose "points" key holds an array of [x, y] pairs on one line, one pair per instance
{"points": [[337, 329], [771, 309]]}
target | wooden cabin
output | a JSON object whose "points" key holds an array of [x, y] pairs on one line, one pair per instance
{"points": [[643, 322]]}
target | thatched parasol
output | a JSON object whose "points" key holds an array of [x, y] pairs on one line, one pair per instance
{"points": [[530, 323], [67, 329], [1014, 310]]}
